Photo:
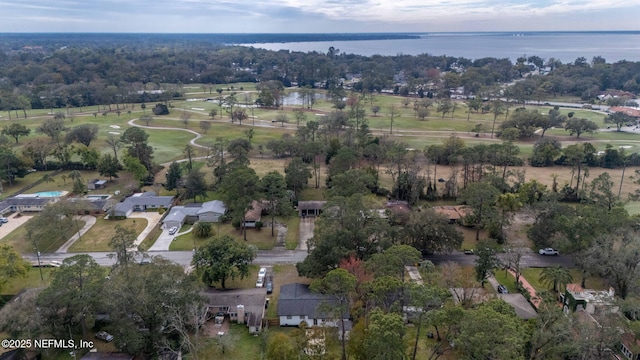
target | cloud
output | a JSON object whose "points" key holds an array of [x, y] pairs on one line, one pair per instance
{"points": [[317, 15]]}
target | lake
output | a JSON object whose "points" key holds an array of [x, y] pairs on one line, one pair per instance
{"points": [[565, 46]]}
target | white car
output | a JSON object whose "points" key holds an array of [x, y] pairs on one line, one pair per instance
{"points": [[260, 282], [262, 273], [548, 251], [173, 230]]}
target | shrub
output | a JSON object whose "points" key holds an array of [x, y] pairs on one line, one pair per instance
{"points": [[259, 225], [202, 230]]}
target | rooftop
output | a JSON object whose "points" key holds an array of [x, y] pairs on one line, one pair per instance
{"points": [[590, 295]]}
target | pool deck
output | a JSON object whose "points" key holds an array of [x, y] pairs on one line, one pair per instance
{"points": [[41, 194]]}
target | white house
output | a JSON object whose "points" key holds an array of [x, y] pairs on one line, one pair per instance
{"points": [[297, 304], [210, 211]]}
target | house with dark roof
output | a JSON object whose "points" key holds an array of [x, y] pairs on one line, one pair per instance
{"points": [[142, 202], [310, 208], [253, 215], [210, 211], [246, 306], [297, 303]]}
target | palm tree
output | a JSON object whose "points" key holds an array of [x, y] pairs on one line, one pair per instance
{"points": [[74, 175], [47, 178], [557, 276]]}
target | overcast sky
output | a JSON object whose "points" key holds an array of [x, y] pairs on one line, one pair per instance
{"points": [[315, 16]]}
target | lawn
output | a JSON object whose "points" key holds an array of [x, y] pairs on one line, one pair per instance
{"points": [[241, 345], [98, 237], [506, 279], [21, 243], [32, 280], [533, 277], [260, 238], [293, 230]]}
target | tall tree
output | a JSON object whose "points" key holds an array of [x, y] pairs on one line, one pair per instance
{"points": [[174, 174], [83, 134], [136, 139], [557, 276], [122, 243], [11, 265], [16, 131], [485, 262], [239, 189], [481, 198], [384, 336], [274, 189], [195, 185], [108, 166], [221, 258], [53, 128], [297, 176], [428, 230], [74, 296]]}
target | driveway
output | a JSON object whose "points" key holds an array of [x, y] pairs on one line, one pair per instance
{"points": [[152, 220], [89, 222], [307, 224], [164, 240], [14, 223]]}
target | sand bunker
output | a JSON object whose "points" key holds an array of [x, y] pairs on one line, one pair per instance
{"points": [[114, 133], [114, 126]]}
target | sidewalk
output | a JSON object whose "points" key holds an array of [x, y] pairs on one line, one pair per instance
{"points": [[535, 300], [90, 221]]}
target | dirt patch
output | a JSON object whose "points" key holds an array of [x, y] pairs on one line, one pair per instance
{"points": [[516, 232]]}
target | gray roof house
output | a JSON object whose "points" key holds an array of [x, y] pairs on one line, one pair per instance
{"points": [[24, 203], [297, 304], [142, 202], [210, 211]]}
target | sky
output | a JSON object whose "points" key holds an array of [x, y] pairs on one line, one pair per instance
{"points": [[316, 16]]}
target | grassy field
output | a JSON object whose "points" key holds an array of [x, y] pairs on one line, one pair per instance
{"points": [[21, 243], [533, 277], [506, 279], [98, 237], [32, 280], [260, 238]]}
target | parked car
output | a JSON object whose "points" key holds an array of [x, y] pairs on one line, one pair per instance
{"points": [[502, 289], [262, 272], [55, 263], [173, 230], [269, 287], [104, 336], [468, 251], [260, 282], [548, 251], [4, 220]]}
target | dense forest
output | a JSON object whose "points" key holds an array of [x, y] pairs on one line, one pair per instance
{"points": [[112, 69]]}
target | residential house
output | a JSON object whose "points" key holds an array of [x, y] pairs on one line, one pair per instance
{"points": [[96, 184], [24, 203], [455, 214], [210, 211], [90, 206], [310, 208], [626, 110], [576, 298], [253, 215], [297, 303], [142, 202], [246, 306]]}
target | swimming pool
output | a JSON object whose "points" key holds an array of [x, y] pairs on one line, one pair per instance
{"points": [[50, 193]]}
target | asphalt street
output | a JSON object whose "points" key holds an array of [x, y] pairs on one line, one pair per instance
{"points": [[265, 257], [527, 260]]}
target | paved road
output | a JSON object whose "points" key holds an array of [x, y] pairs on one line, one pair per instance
{"points": [[265, 257], [528, 260]]}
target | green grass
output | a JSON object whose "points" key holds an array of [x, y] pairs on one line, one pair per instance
{"points": [[32, 280], [293, 230], [260, 238], [533, 277], [21, 243], [98, 237], [243, 346], [506, 279]]}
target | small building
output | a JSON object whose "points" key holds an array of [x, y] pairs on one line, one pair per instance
{"points": [[211, 211], [246, 306], [297, 303], [142, 202], [96, 184], [310, 208], [253, 215], [576, 298]]}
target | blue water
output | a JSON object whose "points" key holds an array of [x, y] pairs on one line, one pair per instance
{"points": [[49, 193], [564, 46]]}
